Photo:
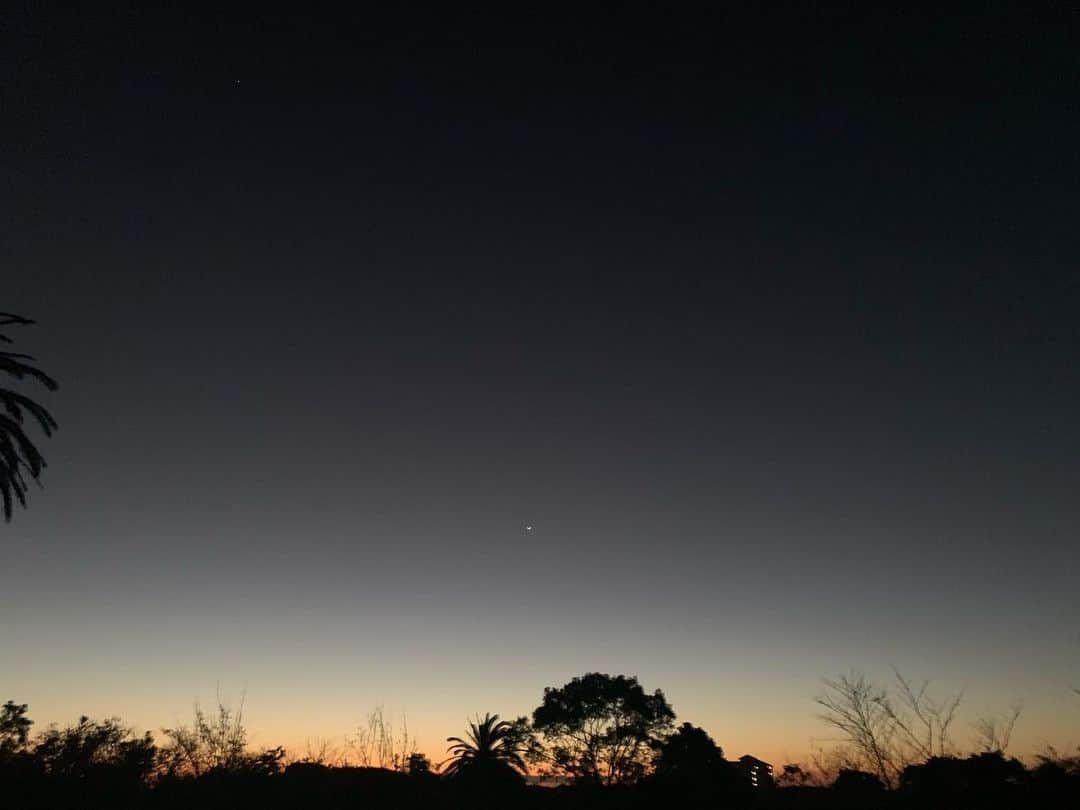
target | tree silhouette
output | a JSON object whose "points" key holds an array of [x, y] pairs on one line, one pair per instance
{"points": [[601, 728], [14, 728], [689, 771], [19, 456], [688, 754], [492, 745]]}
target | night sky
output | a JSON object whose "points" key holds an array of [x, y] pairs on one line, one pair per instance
{"points": [[766, 324]]}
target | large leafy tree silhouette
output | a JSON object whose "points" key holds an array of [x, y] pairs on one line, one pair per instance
{"points": [[20, 459], [602, 728]]}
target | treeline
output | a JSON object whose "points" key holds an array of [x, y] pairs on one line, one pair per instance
{"points": [[601, 741]]}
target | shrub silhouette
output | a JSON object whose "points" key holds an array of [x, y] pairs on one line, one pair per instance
{"points": [[215, 744], [689, 754], [689, 768]]}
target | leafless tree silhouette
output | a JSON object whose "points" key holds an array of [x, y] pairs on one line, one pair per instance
{"points": [[922, 721], [854, 706], [883, 733]]}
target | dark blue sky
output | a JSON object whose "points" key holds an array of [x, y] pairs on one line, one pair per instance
{"points": [[767, 325]]}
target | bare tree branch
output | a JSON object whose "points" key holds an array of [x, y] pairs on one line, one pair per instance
{"points": [[994, 732]]}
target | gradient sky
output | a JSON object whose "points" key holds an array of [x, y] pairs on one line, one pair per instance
{"points": [[768, 327]]}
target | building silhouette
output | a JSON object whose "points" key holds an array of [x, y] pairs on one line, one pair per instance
{"points": [[757, 772]]}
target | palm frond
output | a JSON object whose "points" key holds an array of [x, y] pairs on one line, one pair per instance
{"points": [[18, 453], [490, 741], [12, 363], [15, 404]]}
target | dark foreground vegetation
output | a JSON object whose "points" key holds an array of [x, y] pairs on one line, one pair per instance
{"points": [[601, 740], [988, 780]]}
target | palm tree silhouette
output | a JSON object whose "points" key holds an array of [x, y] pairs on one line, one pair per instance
{"points": [[18, 454], [491, 743]]}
